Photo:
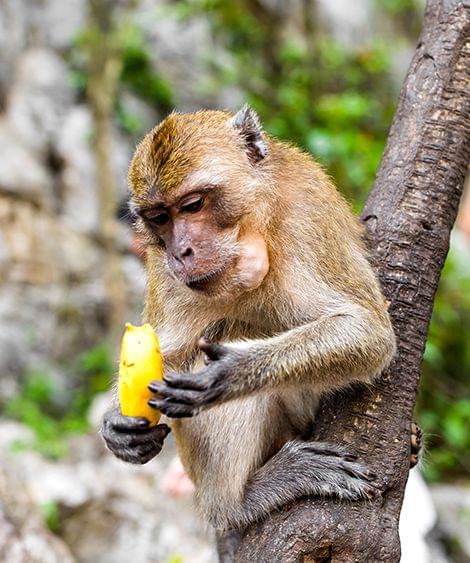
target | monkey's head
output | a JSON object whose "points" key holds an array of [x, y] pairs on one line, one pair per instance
{"points": [[198, 185]]}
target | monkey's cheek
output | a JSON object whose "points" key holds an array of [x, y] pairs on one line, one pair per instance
{"points": [[253, 262]]}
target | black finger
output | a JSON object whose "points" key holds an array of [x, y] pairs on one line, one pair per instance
{"points": [[121, 423], [132, 424], [117, 442], [148, 450], [329, 450], [212, 350], [140, 456], [173, 410], [358, 471], [156, 435], [180, 411], [176, 395], [162, 428], [158, 404], [135, 440], [188, 381]]}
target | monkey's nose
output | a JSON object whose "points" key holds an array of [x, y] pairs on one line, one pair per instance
{"points": [[182, 255]]}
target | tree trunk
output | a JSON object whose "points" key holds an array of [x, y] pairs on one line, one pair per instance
{"points": [[409, 215]]}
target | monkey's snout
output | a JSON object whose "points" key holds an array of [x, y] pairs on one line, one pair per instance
{"points": [[185, 255], [202, 282]]}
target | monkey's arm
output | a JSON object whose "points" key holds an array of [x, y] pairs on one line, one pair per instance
{"points": [[353, 344]]}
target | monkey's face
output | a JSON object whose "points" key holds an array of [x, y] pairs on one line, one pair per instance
{"points": [[195, 188], [206, 247], [200, 248]]}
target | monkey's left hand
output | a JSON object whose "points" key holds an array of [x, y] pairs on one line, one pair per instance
{"points": [[186, 394]]}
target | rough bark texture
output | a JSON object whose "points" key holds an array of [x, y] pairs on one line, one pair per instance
{"points": [[409, 215]]}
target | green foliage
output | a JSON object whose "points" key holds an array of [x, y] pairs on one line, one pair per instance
{"points": [[444, 402], [138, 72], [97, 364], [51, 516], [407, 14], [397, 7], [332, 113], [54, 415], [34, 406]]}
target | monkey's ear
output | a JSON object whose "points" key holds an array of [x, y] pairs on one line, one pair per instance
{"points": [[247, 122]]}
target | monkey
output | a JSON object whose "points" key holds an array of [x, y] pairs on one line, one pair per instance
{"points": [[261, 292], [416, 445]]}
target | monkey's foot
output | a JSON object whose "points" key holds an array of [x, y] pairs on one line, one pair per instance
{"points": [[319, 469], [336, 471], [416, 444], [299, 469]]}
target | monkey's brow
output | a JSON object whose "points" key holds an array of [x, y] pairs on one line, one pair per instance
{"points": [[202, 189], [141, 210], [176, 198]]}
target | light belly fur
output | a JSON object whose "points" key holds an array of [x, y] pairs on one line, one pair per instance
{"points": [[223, 446]]}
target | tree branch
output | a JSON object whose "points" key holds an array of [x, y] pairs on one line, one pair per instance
{"points": [[409, 215]]}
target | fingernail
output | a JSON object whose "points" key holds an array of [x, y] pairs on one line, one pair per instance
{"points": [[154, 403]]}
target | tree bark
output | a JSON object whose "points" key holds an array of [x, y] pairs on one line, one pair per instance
{"points": [[409, 215]]}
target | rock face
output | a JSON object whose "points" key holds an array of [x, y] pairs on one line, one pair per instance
{"points": [[38, 99], [53, 303], [108, 511], [22, 173], [24, 538]]}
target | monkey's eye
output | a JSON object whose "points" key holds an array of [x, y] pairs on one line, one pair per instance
{"points": [[158, 219], [192, 206]]}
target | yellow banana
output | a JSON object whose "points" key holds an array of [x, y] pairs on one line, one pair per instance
{"points": [[140, 363]]}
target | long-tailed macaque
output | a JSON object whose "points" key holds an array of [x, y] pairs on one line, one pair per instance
{"points": [[262, 296]]}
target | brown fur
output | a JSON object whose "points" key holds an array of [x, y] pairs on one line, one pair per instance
{"points": [[318, 321]]}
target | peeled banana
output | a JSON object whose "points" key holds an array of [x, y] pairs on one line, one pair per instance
{"points": [[140, 363]]}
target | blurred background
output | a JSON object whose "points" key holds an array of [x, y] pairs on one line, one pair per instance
{"points": [[80, 83]]}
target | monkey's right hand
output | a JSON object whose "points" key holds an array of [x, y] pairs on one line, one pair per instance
{"points": [[131, 438]]}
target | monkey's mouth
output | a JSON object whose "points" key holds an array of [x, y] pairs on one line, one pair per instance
{"points": [[202, 283]]}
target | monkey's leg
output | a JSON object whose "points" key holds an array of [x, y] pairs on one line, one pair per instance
{"points": [[416, 444], [302, 469], [227, 544]]}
